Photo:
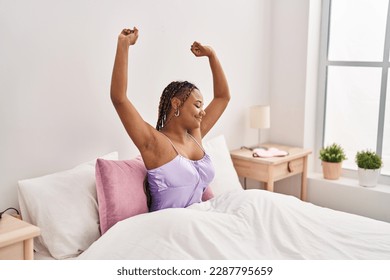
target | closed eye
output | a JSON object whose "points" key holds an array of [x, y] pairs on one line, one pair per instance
{"points": [[198, 104]]}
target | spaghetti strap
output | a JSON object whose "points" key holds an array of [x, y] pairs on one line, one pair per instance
{"points": [[171, 143], [200, 146]]}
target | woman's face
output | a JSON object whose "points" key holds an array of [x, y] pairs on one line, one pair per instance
{"points": [[192, 110]]}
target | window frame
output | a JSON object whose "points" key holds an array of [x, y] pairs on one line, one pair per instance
{"points": [[324, 63]]}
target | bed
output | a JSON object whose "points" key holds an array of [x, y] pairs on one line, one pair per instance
{"points": [[97, 210]]}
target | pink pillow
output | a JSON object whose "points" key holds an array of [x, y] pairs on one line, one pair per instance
{"points": [[120, 191], [207, 194]]}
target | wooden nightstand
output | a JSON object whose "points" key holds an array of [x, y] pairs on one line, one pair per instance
{"points": [[270, 170], [16, 239]]}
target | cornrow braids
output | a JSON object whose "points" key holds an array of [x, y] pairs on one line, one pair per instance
{"points": [[181, 90]]}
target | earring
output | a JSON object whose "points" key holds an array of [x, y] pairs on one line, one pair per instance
{"points": [[177, 113]]}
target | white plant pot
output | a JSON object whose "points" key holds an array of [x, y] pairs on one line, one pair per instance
{"points": [[368, 177]]}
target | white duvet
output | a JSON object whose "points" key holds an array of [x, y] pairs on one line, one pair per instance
{"points": [[251, 224]]}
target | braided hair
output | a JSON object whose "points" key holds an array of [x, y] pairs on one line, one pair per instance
{"points": [[180, 90]]}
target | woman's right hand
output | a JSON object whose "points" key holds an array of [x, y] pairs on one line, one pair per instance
{"points": [[199, 50], [128, 36]]}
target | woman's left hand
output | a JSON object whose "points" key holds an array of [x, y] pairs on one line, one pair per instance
{"points": [[199, 50]]}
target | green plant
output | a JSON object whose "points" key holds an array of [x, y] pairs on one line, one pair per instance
{"points": [[368, 160], [332, 153]]}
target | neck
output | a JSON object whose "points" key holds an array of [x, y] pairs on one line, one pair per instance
{"points": [[176, 134]]}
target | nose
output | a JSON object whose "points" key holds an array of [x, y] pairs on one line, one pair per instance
{"points": [[202, 113]]}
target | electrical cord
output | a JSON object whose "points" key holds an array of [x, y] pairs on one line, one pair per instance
{"points": [[10, 208]]}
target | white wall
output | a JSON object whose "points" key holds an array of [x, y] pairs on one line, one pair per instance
{"points": [[56, 61], [295, 27], [289, 37], [347, 195]]}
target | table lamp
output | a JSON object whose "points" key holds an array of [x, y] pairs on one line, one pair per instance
{"points": [[260, 119]]}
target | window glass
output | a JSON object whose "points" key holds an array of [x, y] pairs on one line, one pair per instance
{"points": [[352, 109], [357, 30]]}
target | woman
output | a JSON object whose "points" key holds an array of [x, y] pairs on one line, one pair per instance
{"points": [[179, 170]]}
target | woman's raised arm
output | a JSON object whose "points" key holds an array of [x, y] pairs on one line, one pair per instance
{"points": [[139, 131], [221, 88]]}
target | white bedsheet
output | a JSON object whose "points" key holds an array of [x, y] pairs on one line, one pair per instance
{"points": [[251, 224]]}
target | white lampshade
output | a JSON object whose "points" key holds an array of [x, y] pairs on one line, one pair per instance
{"points": [[260, 117]]}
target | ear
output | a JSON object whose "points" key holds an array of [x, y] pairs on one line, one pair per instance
{"points": [[175, 103]]}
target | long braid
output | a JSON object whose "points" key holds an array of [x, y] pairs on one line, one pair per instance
{"points": [[165, 104]]}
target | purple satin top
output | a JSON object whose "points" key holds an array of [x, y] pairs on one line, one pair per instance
{"points": [[180, 182]]}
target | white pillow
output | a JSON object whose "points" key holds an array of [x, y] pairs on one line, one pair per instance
{"points": [[226, 178], [64, 206]]}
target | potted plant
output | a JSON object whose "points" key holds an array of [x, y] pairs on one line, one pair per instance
{"points": [[332, 157], [369, 164]]}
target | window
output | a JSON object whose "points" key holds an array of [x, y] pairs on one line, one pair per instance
{"points": [[355, 77]]}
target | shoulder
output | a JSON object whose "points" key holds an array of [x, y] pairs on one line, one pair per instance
{"points": [[158, 152]]}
